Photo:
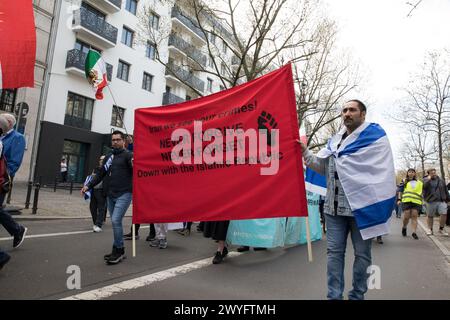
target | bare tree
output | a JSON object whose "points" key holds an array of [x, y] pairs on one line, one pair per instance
{"points": [[257, 33], [413, 7], [323, 81], [427, 102], [420, 148]]}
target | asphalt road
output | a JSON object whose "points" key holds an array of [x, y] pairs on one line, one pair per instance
{"points": [[409, 269]]}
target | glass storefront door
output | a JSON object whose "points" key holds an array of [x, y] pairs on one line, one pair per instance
{"points": [[75, 155]]}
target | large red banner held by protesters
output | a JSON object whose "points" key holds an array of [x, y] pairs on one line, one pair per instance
{"points": [[17, 44], [228, 156]]}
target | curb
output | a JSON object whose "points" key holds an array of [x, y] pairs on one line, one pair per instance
{"points": [[436, 241], [39, 218]]}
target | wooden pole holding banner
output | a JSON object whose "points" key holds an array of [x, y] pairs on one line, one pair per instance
{"points": [[133, 233], [308, 239]]}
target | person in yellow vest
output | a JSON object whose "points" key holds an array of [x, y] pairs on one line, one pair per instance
{"points": [[411, 200]]}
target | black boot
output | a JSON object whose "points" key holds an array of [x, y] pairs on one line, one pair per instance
{"points": [[117, 256], [106, 256], [243, 249]]}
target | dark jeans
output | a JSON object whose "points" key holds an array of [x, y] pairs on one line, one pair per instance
{"points": [[7, 221], [98, 207], [64, 176]]}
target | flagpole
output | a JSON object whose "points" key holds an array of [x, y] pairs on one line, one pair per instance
{"points": [[133, 233], [114, 99], [308, 239], [115, 103]]}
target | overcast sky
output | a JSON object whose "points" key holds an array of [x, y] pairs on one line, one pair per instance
{"points": [[390, 46]]}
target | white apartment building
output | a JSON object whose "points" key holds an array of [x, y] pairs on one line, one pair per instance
{"points": [[77, 127]]}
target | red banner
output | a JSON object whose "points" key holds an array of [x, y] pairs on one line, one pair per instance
{"points": [[228, 156], [17, 44]]}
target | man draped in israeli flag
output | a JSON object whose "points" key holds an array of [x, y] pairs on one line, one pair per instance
{"points": [[360, 178]]}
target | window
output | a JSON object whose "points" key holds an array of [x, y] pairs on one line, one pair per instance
{"points": [[151, 50], [84, 47], [188, 98], [211, 62], [117, 117], [210, 84], [224, 46], [147, 81], [123, 70], [127, 37], [212, 37], [154, 21], [223, 68], [79, 111], [131, 6], [222, 88], [7, 98]]}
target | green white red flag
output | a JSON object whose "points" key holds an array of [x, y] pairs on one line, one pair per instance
{"points": [[95, 70]]}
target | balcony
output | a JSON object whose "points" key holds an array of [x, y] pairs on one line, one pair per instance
{"points": [[77, 122], [94, 29], [109, 6], [75, 62], [170, 98], [179, 17], [188, 49], [179, 74]]}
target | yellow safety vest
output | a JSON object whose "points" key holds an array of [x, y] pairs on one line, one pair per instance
{"points": [[413, 195]]}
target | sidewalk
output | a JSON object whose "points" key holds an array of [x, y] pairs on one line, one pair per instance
{"points": [[442, 242], [51, 205]]}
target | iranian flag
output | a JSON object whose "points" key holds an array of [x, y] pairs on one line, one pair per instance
{"points": [[95, 70]]}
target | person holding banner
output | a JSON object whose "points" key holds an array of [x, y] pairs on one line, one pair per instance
{"points": [[118, 166], [361, 190]]}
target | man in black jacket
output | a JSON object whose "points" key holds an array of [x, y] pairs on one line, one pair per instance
{"points": [[118, 167]]}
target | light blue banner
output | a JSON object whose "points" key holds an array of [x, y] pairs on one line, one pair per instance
{"points": [[277, 232]]}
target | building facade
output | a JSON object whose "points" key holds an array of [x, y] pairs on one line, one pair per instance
{"points": [[25, 102], [69, 122]]}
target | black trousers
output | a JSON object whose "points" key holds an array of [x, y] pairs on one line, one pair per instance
{"points": [[98, 207]]}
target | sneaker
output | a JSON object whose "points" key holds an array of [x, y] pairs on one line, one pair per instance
{"points": [[116, 256], [20, 237], [162, 243], [185, 232], [379, 240], [5, 260], [150, 237], [442, 232], [129, 236], [404, 232], [218, 258], [414, 235], [243, 249], [154, 243], [429, 232], [97, 229]]}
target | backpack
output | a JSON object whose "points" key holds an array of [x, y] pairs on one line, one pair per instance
{"points": [[5, 178]]}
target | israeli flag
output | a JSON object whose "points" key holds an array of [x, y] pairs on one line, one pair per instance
{"points": [[87, 194], [315, 182], [365, 165], [108, 163]]}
